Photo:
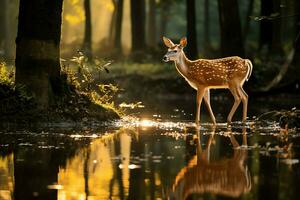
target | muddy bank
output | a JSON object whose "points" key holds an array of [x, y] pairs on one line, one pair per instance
{"points": [[18, 107]]}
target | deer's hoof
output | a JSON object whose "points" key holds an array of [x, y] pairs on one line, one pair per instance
{"points": [[228, 123]]}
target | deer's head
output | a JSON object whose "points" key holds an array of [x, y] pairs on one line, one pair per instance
{"points": [[174, 50]]}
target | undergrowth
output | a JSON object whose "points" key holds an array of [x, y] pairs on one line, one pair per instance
{"points": [[86, 80], [79, 87]]}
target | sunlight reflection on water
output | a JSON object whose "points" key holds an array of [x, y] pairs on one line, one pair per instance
{"points": [[146, 158]]}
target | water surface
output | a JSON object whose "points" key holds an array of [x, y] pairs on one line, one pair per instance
{"points": [[151, 157]]}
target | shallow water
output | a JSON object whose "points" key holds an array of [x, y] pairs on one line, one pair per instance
{"points": [[156, 156]]}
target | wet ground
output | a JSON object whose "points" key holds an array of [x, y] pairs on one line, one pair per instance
{"points": [[157, 155]]}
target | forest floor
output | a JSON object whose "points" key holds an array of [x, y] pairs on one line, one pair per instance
{"points": [[18, 108]]}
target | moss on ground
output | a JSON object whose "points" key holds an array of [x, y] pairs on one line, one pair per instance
{"points": [[17, 106]]}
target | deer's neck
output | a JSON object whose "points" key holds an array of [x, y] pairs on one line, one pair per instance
{"points": [[182, 65]]}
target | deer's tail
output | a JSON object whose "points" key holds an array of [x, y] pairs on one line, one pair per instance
{"points": [[250, 67]]}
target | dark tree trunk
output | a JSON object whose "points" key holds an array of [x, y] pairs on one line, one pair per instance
{"points": [[265, 35], [118, 34], [2, 26], [296, 60], [192, 51], [87, 41], [152, 24], [270, 29], [230, 28], [247, 21], [37, 43], [206, 35], [138, 25]]}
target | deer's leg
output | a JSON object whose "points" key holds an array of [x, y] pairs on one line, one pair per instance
{"points": [[200, 94], [237, 101], [207, 102], [245, 143], [244, 97]]}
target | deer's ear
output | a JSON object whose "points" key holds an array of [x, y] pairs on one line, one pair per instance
{"points": [[168, 42], [183, 42]]}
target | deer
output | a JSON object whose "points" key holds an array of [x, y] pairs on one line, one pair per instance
{"points": [[205, 74], [228, 177]]}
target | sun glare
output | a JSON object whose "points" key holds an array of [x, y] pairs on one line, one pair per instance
{"points": [[146, 123]]}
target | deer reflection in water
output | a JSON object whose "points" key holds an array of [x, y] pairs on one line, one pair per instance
{"points": [[228, 177]]}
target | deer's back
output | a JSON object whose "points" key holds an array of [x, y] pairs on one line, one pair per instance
{"points": [[218, 72]]}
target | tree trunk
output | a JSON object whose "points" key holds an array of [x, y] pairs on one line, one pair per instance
{"points": [[87, 41], [296, 61], [270, 29], [206, 35], [152, 24], [192, 51], [37, 50], [3, 27], [230, 28], [118, 32], [247, 20], [138, 25], [112, 26]]}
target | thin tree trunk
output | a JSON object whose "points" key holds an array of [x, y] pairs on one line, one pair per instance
{"points": [[118, 31], [230, 28], [206, 35], [138, 25], [192, 51], [112, 27], [3, 10], [265, 34], [276, 44], [247, 20], [152, 24], [270, 30], [86, 172], [87, 41], [37, 50]]}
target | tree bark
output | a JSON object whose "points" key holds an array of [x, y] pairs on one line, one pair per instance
{"points": [[112, 26], [87, 41], [270, 29], [296, 61], [192, 51], [119, 18], [138, 25], [37, 48], [247, 20], [3, 27], [297, 34], [206, 35], [230, 28], [152, 24]]}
